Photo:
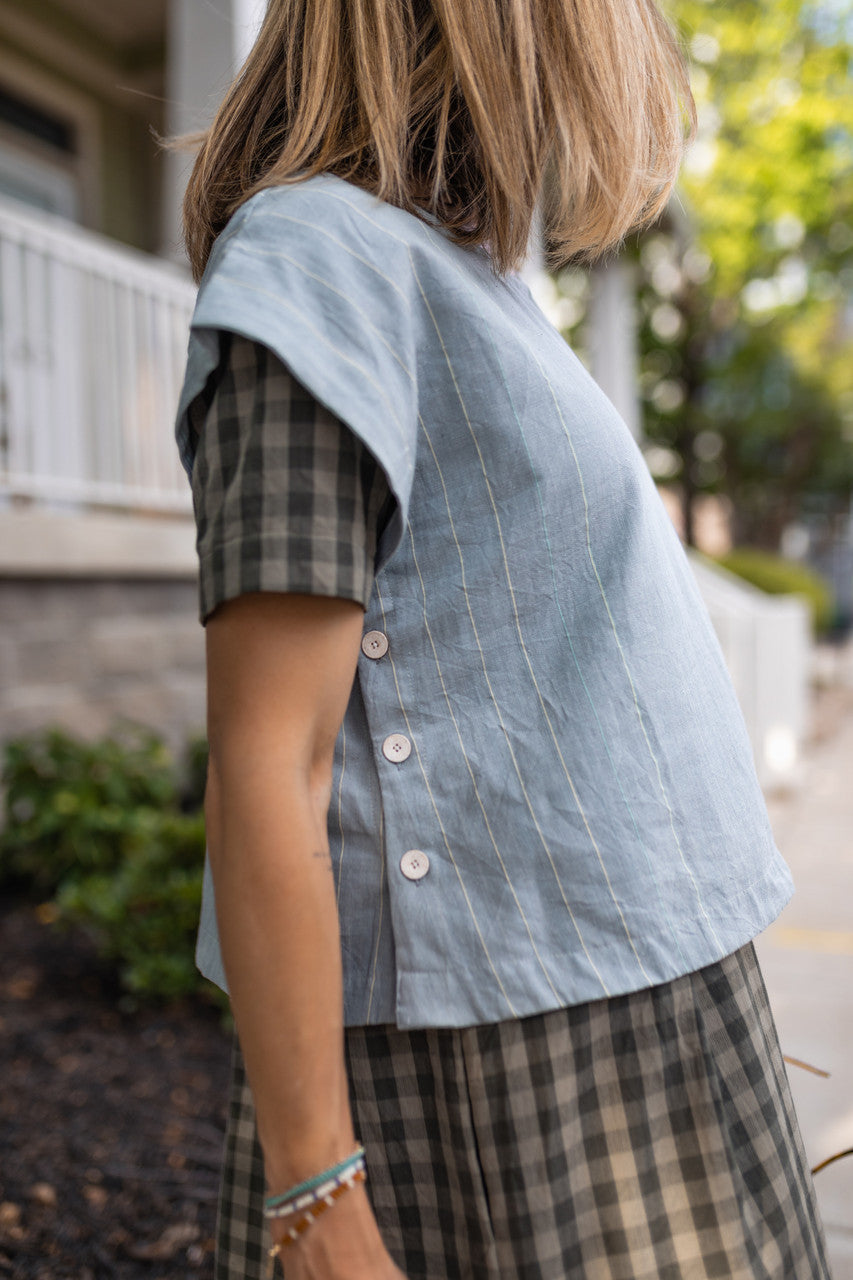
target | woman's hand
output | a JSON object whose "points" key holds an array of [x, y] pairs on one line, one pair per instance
{"points": [[343, 1244]]}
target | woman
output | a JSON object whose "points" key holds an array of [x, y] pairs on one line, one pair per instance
{"points": [[485, 837]]}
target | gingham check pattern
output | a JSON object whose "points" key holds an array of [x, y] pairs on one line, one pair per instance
{"points": [[647, 1137], [286, 498]]}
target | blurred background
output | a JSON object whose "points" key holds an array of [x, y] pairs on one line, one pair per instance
{"points": [[725, 337]]}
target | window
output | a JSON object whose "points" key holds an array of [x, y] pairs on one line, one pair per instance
{"points": [[38, 157]]}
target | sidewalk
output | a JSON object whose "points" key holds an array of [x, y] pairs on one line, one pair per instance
{"points": [[807, 955]]}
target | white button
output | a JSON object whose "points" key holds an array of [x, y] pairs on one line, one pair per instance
{"points": [[414, 864], [374, 644], [396, 748]]}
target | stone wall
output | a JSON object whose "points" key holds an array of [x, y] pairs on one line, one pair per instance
{"points": [[81, 652]]}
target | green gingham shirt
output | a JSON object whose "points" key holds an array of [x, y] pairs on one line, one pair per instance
{"points": [[286, 498]]}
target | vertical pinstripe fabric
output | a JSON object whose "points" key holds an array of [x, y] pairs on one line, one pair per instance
{"points": [[579, 776]]}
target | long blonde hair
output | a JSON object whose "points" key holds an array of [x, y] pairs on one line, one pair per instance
{"points": [[474, 110]]}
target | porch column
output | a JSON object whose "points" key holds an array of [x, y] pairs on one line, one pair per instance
{"points": [[206, 46], [612, 338], [611, 327]]}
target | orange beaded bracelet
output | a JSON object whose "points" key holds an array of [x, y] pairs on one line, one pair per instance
{"points": [[310, 1215]]}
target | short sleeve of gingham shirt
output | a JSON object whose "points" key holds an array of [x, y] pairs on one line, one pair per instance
{"points": [[286, 497]]}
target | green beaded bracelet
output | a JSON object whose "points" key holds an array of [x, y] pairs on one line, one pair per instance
{"points": [[272, 1202]]}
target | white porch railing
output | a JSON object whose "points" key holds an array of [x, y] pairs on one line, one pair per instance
{"points": [[92, 347]]}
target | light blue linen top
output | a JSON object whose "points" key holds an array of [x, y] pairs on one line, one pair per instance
{"points": [[543, 791]]}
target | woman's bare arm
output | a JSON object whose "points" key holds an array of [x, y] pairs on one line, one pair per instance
{"points": [[280, 669]]}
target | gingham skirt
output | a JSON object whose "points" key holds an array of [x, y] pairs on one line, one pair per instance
{"points": [[647, 1137]]}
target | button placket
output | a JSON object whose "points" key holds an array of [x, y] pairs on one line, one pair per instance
{"points": [[396, 748]]}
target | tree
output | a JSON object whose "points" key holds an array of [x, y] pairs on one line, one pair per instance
{"points": [[746, 296]]}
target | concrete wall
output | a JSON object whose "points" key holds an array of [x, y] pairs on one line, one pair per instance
{"points": [[79, 652]]}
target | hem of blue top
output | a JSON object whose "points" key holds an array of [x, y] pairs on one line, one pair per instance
{"points": [[424, 996]]}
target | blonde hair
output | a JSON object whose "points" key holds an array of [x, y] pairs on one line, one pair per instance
{"points": [[474, 110]]}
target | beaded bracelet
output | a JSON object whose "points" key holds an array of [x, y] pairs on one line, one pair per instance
{"points": [[293, 1204], [273, 1202], [320, 1206]]}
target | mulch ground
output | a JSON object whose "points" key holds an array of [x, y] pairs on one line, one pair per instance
{"points": [[111, 1120]]}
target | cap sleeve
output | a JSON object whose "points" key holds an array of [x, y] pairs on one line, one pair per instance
{"points": [[304, 272]]}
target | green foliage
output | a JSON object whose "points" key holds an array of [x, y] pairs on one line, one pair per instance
{"points": [[770, 179], [195, 774], [760, 348], [745, 288], [71, 805], [778, 576], [113, 829], [144, 913]]}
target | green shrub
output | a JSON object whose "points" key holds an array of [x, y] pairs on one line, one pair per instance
{"points": [[778, 576], [143, 914], [194, 777], [69, 803], [113, 830]]}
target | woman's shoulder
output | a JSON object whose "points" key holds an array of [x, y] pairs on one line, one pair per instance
{"points": [[301, 270], [321, 248], [322, 216]]}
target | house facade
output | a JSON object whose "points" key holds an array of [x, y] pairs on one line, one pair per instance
{"points": [[97, 563]]}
